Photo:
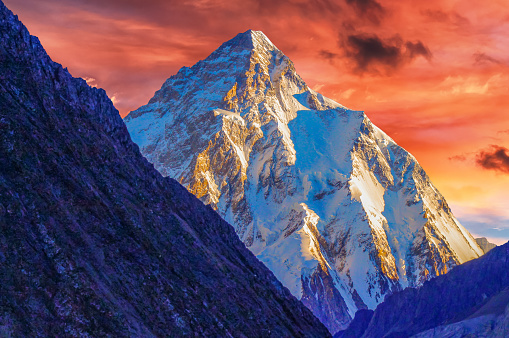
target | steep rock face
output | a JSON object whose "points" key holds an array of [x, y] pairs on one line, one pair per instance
{"points": [[484, 244], [94, 241], [471, 300], [340, 213]]}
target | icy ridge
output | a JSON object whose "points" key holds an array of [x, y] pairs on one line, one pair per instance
{"points": [[339, 212]]}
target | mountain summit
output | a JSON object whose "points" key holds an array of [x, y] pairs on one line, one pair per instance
{"points": [[339, 212]]}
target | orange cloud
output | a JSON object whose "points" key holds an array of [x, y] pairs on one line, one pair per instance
{"points": [[433, 74]]}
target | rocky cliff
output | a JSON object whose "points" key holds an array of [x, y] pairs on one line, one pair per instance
{"points": [[94, 241]]}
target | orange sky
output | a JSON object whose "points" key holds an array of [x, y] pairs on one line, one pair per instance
{"points": [[433, 74]]}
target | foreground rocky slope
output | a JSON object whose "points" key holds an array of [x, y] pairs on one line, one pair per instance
{"points": [[94, 241], [472, 300], [339, 212]]}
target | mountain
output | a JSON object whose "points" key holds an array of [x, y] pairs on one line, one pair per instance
{"points": [[484, 244], [357, 326], [472, 300], [339, 212], [94, 241]]}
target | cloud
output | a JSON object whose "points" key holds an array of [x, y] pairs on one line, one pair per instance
{"points": [[417, 49], [449, 18], [90, 81], [468, 85], [311, 8], [369, 9], [482, 59], [494, 158], [496, 229], [347, 93], [114, 99], [484, 222], [371, 53], [460, 158], [317, 87], [368, 50], [328, 55], [366, 5]]}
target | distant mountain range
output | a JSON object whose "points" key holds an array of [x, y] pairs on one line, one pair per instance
{"points": [[94, 241], [339, 212], [472, 300], [484, 244]]}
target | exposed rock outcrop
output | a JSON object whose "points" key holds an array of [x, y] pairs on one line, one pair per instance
{"points": [[484, 244], [94, 241]]}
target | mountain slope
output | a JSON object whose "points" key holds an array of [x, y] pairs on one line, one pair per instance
{"points": [[340, 213], [94, 241], [484, 244], [471, 300]]}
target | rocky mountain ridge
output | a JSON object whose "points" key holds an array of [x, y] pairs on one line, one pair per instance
{"points": [[339, 212], [472, 300], [484, 244], [94, 241]]}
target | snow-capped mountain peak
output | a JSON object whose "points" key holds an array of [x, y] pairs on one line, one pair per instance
{"points": [[332, 205], [250, 40]]}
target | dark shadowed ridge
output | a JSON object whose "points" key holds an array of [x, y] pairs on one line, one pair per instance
{"points": [[94, 241], [471, 290], [357, 326]]}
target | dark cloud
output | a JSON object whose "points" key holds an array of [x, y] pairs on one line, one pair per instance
{"points": [[436, 15], [368, 9], [373, 54], [311, 8], [415, 49], [484, 59], [494, 158], [451, 18], [366, 5], [367, 50], [328, 55]]}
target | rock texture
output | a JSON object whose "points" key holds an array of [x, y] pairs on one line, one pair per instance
{"points": [[472, 300], [484, 244], [94, 241], [339, 212], [357, 326], [488, 326]]}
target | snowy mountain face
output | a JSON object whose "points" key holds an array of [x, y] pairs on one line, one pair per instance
{"points": [[339, 212]]}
